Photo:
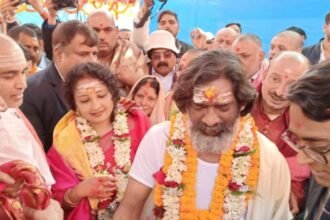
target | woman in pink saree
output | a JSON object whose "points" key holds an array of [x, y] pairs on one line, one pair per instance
{"points": [[94, 145]]}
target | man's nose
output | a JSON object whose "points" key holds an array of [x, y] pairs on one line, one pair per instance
{"points": [[211, 118]]}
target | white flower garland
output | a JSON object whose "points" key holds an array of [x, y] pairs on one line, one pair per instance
{"points": [[122, 154], [234, 201], [122, 150], [235, 204], [171, 196]]}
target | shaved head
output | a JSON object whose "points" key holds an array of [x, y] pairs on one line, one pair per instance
{"points": [[293, 57], [13, 67], [284, 69], [286, 40], [101, 14], [11, 53], [104, 25], [225, 38]]}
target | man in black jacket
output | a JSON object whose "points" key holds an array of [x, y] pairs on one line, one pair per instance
{"points": [[44, 105], [320, 51], [309, 135]]}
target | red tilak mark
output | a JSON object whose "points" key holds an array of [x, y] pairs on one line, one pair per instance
{"points": [[286, 76], [238, 49]]}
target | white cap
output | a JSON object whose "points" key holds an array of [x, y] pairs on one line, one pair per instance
{"points": [[162, 39], [209, 35]]}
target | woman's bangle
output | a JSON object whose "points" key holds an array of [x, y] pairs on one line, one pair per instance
{"points": [[68, 201]]}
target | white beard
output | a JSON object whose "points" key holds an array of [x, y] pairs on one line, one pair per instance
{"points": [[210, 144], [213, 144]]}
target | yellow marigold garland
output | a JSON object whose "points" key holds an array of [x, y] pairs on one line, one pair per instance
{"points": [[188, 210]]}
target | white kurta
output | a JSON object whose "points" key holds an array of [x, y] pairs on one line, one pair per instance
{"points": [[273, 190], [18, 143]]}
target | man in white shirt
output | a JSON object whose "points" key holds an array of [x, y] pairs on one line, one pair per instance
{"points": [[209, 162], [163, 54], [18, 140]]}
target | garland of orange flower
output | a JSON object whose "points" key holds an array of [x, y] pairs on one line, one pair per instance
{"points": [[235, 183]]}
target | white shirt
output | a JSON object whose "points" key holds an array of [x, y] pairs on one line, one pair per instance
{"points": [[18, 143], [322, 55], [166, 81], [43, 64], [273, 188]]}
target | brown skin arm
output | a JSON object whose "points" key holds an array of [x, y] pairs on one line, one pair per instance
{"points": [[133, 202]]}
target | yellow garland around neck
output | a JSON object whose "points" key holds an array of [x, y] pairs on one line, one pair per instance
{"points": [[188, 210]]}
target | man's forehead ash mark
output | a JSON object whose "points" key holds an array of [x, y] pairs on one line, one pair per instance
{"points": [[211, 94]]}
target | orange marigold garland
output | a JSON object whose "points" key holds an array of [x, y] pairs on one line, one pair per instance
{"points": [[175, 195]]}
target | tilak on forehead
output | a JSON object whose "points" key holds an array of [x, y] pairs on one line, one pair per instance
{"points": [[212, 94], [89, 87], [287, 71]]}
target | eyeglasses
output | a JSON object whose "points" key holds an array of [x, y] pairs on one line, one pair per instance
{"points": [[292, 140], [157, 56]]}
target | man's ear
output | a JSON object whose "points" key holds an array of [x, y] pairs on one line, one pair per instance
{"points": [[57, 53], [261, 55]]}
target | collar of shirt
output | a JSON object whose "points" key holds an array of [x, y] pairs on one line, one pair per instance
{"points": [[272, 129], [59, 73], [255, 76], [43, 63], [322, 55], [166, 81]]}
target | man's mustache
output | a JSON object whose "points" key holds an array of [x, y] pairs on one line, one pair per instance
{"points": [[277, 97], [160, 64], [215, 130]]}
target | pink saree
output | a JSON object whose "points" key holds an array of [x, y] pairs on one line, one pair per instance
{"points": [[67, 158]]}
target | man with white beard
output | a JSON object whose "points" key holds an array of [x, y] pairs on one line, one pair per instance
{"points": [[209, 162]]}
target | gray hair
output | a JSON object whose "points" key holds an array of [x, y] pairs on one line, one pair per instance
{"points": [[211, 66]]}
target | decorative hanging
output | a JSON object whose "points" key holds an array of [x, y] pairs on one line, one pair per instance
{"points": [[117, 7]]}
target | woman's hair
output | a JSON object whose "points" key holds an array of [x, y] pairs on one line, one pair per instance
{"points": [[210, 66], [95, 71], [151, 81]]}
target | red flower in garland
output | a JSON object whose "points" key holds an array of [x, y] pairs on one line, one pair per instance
{"points": [[160, 177], [233, 186], [243, 149], [89, 138], [127, 135], [178, 142], [159, 211]]}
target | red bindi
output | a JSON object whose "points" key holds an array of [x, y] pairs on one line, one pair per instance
{"points": [[238, 49], [286, 76]]}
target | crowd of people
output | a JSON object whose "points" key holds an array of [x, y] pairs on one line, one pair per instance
{"points": [[98, 122]]}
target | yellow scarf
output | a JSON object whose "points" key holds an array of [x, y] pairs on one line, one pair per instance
{"points": [[68, 144]]}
